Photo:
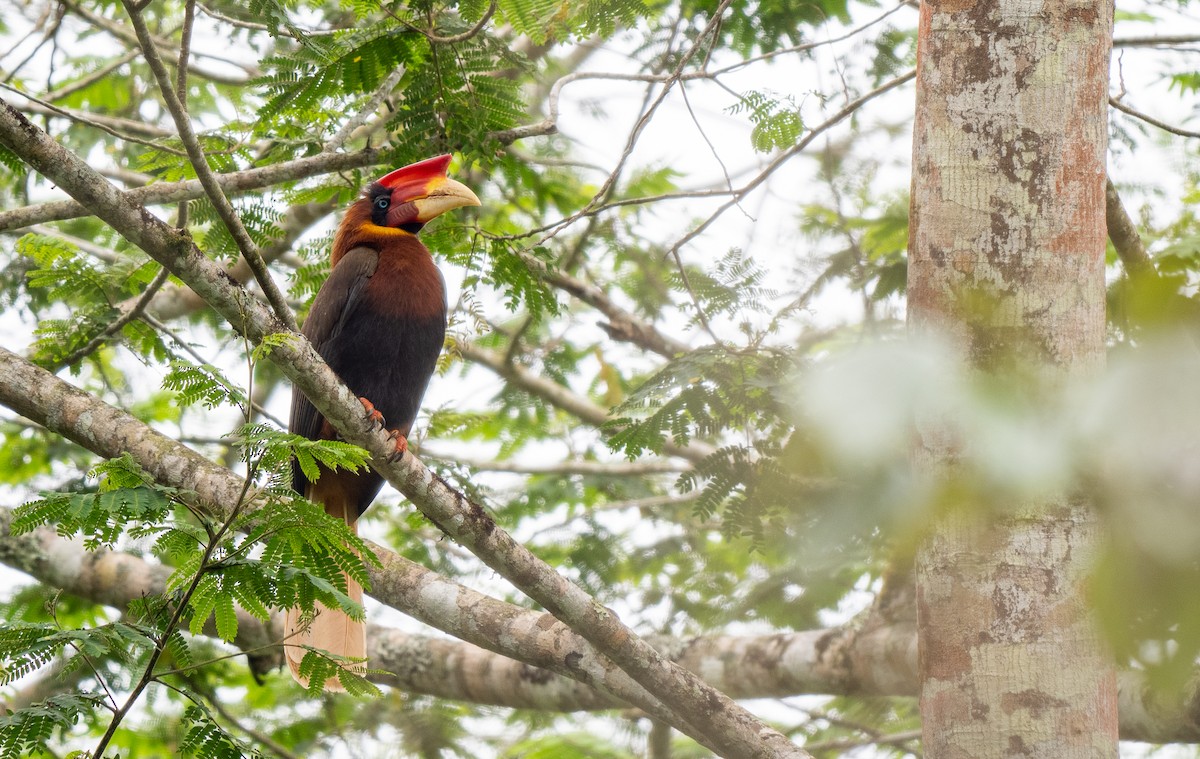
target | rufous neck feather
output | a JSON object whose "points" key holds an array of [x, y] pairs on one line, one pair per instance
{"points": [[357, 230]]}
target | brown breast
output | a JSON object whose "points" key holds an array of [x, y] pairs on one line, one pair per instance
{"points": [[407, 282]]}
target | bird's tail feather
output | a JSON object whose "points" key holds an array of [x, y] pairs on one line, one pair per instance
{"points": [[330, 630]]}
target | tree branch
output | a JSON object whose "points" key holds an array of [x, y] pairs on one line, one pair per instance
{"points": [[709, 716], [564, 398], [1124, 235], [172, 192], [621, 325], [858, 660], [208, 178], [1115, 103]]}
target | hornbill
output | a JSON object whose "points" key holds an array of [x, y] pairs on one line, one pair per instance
{"points": [[379, 321]]}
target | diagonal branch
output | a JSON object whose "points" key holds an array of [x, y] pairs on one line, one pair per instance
{"points": [[1120, 106], [1124, 235], [531, 637], [708, 715], [622, 325], [208, 178]]}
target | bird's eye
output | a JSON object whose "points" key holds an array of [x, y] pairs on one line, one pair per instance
{"points": [[382, 202]]}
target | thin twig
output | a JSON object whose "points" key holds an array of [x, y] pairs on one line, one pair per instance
{"points": [[1115, 103], [846, 111], [92, 78], [1182, 39], [257, 27], [50, 32], [185, 45], [117, 324], [37, 26], [711, 148], [642, 122], [368, 110], [89, 121], [206, 175], [454, 38]]}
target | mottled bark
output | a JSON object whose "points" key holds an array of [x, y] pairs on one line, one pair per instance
{"points": [[1007, 259], [535, 638], [875, 659]]}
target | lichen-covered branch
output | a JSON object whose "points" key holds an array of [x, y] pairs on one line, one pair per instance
{"points": [[711, 717], [534, 638], [874, 660]]}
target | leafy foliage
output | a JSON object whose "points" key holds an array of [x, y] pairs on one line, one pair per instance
{"points": [[776, 514], [777, 121], [700, 393], [27, 732], [201, 384], [204, 738]]}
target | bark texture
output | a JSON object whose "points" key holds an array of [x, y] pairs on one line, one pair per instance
{"points": [[875, 659], [1006, 258]]}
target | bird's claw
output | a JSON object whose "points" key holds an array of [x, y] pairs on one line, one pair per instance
{"points": [[373, 413], [401, 443]]}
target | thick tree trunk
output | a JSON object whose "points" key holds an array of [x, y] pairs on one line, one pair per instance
{"points": [[1007, 259]]}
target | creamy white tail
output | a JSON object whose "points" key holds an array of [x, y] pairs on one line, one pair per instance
{"points": [[331, 629]]}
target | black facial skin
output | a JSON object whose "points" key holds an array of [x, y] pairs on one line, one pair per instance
{"points": [[381, 201], [381, 204]]}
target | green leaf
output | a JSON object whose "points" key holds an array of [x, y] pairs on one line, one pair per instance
{"points": [[201, 383]]}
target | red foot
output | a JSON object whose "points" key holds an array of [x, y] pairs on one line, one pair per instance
{"points": [[401, 443], [372, 413]]}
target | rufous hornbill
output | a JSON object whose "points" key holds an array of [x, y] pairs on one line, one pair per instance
{"points": [[379, 322]]}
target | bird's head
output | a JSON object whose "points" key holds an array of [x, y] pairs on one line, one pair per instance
{"points": [[400, 203]]}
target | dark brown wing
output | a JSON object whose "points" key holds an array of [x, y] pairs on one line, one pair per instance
{"points": [[332, 309]]}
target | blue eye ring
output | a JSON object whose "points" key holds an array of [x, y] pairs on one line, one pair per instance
{"points": [[383, 201]]}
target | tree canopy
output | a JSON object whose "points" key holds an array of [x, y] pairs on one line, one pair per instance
{"points": [[676, 399]]}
